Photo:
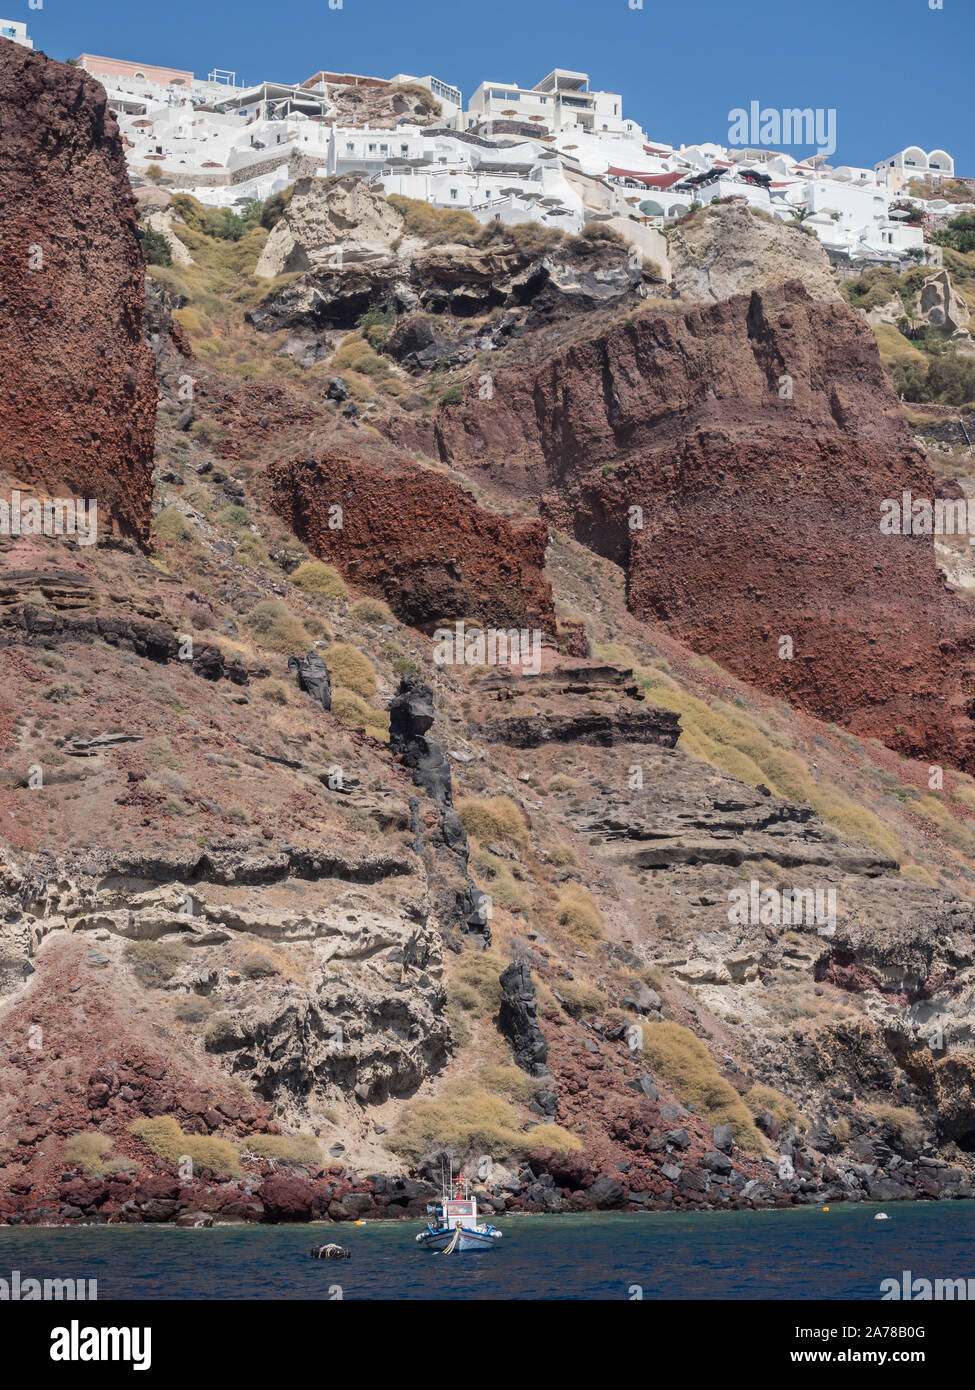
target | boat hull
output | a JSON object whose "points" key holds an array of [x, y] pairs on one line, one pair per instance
{"points": [[468, 1241]]}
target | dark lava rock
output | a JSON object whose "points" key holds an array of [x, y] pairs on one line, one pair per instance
{"points": [[312, 676], [518, 1019], [606, 1194]]}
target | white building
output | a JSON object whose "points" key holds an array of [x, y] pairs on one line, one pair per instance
{"points": [[15, 31], [561, 102], [914, 163]]}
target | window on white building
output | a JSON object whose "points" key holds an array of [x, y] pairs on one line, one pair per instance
{"points": [[453, 193]]}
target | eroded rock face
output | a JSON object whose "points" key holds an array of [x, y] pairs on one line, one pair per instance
{"points": [[758, 438], [460, 903], [943, 307], [331, 222], [77, 384], [417, 539], [729, 249], [368, 1018]]}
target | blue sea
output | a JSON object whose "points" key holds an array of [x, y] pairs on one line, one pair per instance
{"points": [[801, 1253]]}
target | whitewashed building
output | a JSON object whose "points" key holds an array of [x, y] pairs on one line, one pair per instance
{"points": [[16, 32], [915, 163]]}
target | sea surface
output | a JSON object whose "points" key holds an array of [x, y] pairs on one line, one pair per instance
{"points": [[802, 1253]]}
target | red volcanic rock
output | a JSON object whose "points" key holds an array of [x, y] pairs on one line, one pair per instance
{"points": [[77, 380], [759, 510], [417, 539], [290, 1198]]}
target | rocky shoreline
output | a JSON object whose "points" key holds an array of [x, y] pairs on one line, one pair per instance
{"points": [[725, 1180]]}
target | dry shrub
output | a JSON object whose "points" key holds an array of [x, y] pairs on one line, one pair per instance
{"points": [[167, 1141], [510, 1082], [285, 1148], [90, 1151], [493, 818], [371, 610], [674, 1054], [576, 910], [469, 1120], [347, 707], [351, 669], [475, 981], [906, 1123], [581, 997], [277, 629], [319, 579], [171, 525], [549, 1136], [780, 1107]]}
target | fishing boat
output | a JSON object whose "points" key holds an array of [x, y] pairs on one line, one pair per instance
{"points": [[454, 1227]]}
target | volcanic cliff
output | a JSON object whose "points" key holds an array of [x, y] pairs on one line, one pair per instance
{"points": [[735, 458], [77, 387], [283, 895]]}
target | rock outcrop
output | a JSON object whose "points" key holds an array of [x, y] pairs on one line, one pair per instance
{"points": [[77, 385], [352, 246], [735, 459], [518, 1019], [312, 676], [731, 249], [460, 903], [331, 222], [943, 307], [418, 539]]}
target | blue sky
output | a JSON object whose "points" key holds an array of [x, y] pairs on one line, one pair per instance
{"points": [[897, 72]]}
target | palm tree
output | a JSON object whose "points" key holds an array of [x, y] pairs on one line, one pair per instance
{"points": [[800, 214]]}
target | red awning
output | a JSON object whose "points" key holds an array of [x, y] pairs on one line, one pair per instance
{"points": [[648, 180]]}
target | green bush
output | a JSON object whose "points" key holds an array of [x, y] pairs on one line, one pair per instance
{"points": [[959, 233], [155, 248]]}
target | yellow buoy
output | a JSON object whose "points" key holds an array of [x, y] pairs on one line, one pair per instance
{"points": [[825, 1208]]}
